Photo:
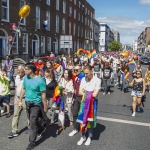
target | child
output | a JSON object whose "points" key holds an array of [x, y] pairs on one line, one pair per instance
{"points": [[5, 91]]}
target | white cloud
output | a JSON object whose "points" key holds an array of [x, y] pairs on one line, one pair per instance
{"points": [[129, 29], [144, 1]]}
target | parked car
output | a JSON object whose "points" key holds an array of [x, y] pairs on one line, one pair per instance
{"points": [[138, 56], [144, 60]]}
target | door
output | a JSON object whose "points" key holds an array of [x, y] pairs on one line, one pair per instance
{"points": [[1, 47]]}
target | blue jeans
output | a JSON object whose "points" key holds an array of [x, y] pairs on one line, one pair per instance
{"points": [[90, 132], [10, 76]]}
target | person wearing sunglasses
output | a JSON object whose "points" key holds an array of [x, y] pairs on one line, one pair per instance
{"points": [[77, 98], [138, 90]]}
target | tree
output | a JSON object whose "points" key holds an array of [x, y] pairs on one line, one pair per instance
{"points": [[114, 46]]}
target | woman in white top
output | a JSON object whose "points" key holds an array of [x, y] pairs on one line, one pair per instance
{"points": [[67, 83]]}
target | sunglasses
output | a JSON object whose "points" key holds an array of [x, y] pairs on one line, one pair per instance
{"points": [[138, 73]]}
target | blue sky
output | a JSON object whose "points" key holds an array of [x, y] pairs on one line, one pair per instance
{"points": [[129, 17]]}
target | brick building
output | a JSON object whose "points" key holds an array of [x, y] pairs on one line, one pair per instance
{"points": [[52, 25], [143, 40]]}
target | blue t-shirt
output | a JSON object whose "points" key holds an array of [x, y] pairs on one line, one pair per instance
{"points": [[33, 88]]}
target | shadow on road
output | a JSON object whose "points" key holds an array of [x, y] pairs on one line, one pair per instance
{"points": [[98, 130]]}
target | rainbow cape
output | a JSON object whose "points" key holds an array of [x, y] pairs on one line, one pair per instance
{"points": [[132, 62], [58, 99], [87, 112]]}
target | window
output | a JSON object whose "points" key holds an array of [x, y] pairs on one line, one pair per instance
{"points": [[42, 44], [78, 31], [57, 4], [64, 6], [48, 43], [48, 20], [37, 17], [23, 21], [75, 1], [79, 16], [69, 28], [63, 25], [74, 13], [5, 10], [57, 24], [74, 29], [48, 2], [25, 43], [70, 11], [15, 43]]}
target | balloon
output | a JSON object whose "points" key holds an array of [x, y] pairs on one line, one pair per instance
{"points": [[24, 11]]}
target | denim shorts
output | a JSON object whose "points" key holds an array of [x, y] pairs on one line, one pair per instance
{"points": [[136, 93], [5, 99]]}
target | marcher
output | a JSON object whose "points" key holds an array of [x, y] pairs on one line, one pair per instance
{"points": [[34, 88], [77, 98], [147, 78], [89, 89], [107, 74], [5, 91], [17, 109], [8, 65], [68, 92], [138, 90], [50, 87]]}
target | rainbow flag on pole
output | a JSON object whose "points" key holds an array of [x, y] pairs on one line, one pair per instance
{"points": [[93, 53], [132, 62], [127, 76]]}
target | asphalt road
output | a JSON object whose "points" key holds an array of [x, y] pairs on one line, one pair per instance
{"points": [[116, 128]]}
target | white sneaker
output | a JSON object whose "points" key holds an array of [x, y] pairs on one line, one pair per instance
{"points": [[82, 139], [104, 93], [133, 115], [88, 141], [109, 93], [73, 133], [2, 111]]}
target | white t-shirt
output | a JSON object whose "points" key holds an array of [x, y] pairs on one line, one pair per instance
{"points": [[18, 84], [94, 84]]}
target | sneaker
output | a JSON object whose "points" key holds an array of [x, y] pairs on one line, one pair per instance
{"points": [[104, 93], [2, 111], [40, 134], [12, 134], [88, 141], [31, 146], [133, 115], [73, 133], [109, 93], [8, 115], [81, 141]]}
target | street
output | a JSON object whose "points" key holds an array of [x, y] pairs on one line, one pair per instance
{"points": [[116, 128]]}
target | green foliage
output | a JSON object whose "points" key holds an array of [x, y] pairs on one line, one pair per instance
{"points": [[114, 46]]}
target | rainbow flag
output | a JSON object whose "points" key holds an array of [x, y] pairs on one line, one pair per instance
{"points": [[132, 62], [125, 71], [88, 53], [127, 76], [93, 53]]}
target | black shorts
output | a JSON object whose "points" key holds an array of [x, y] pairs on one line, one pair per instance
{"points": [[5, 99]]}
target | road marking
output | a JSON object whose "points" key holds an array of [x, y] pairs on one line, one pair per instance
{"points": [[124, 121]]}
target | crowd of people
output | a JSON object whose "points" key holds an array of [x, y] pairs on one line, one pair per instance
{"points": [[68, 85]]}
